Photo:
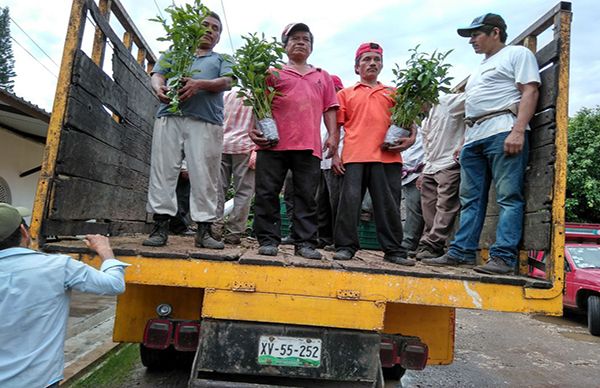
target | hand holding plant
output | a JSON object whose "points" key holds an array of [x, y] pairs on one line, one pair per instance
{"points": [[184, 33], [417, 86], [255, 61]]}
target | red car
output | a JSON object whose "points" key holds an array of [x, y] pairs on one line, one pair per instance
{"points": [[582, 271]]}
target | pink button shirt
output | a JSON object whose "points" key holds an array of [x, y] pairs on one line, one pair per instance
{"points": [[299, 110]]}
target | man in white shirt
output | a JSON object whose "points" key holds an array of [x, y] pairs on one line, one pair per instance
{"points": [[501, 96], [35, 290]]}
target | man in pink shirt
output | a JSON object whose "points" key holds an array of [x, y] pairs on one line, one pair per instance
{"points": [[307, 95]]}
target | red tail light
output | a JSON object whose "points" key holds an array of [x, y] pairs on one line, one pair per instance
{"points": [[414, 355], [388, 353], [158, 333], [186, 336]]}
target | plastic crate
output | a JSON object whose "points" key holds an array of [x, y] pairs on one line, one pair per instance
{"points": [[367, 235]]}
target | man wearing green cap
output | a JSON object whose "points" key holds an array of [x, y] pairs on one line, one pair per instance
{"points": [[501, 96], [35, 289]]}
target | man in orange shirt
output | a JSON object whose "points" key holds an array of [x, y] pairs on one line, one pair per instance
{"points": [[365, 114]]}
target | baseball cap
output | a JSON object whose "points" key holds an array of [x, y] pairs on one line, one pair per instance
{"points": [[489, 19], [10, 219], [368, 47], [293, 27], [337, 82]]}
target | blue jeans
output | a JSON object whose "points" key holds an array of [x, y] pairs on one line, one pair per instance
{"points": [[482, 161]]}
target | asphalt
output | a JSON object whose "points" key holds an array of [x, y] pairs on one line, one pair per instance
{"points": [[89, 333]]}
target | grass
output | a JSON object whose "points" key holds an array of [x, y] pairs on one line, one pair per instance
{"points": [[113, 371]]}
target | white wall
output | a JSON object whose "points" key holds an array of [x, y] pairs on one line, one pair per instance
{"points": [[18, 155]]}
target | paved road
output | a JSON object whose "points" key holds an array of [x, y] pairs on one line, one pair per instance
{"points": [[492, 350]]}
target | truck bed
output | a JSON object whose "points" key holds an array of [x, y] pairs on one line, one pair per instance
{"points": [[365, 261]]}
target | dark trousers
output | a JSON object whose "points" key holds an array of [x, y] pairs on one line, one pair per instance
{"points": [[271, 169], [384, 181], [328, 198], [181, 221]]}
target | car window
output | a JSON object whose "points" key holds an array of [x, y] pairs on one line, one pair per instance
{"points": [[585, 257]]}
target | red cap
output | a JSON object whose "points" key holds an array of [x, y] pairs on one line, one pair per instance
{"points": [[337, 82], [368, 47]]}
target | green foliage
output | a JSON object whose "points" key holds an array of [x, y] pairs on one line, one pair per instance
{"points": [[419, 84], [583, 178], [253, 61], [7, 61], [184, 33]]}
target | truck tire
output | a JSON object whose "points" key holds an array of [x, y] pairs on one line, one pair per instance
{"points": [[593, 303], [394, 373], [155, 359]]}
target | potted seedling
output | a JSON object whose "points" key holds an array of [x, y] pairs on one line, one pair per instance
{"points": [[417, 85], [184, 33], [255, 61]]}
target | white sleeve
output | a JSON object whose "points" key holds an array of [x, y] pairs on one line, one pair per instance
{"points": [[109, 280], [526, 67]]}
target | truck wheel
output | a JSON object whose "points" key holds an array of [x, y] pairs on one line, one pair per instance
{"points": [[594, 314], [394, 373], [155, 359]]}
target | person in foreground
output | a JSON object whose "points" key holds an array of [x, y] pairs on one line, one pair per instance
{"points": [[35, 291], [501, 96]]}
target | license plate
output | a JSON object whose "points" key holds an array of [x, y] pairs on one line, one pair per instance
{"points": [[289, 351]]}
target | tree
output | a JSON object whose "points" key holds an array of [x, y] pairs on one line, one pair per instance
{"points": [[583, 178], [7, 62]]}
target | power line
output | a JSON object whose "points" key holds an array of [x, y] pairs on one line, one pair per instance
{"points": [[227, 26], [33, 56], [159, 10], [34, 42]]}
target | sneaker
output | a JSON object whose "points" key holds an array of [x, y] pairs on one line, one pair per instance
{"points": [[495, 266], [412, 254], [445, 260], [427, 254], [308, 253], [268, 250], [343, 254], [399, 260], [232, 239], [204, 239], [160, 232]]}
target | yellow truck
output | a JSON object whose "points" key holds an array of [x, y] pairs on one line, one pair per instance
{"points": [[249, 317]]}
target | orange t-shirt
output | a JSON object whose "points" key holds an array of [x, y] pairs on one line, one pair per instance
{"points": [[365, 115]]}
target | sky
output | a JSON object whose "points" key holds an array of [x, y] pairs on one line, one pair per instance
{"points": [[339, 26]]}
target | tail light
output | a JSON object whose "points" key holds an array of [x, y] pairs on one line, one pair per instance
{"points": [[414, 355], [186, 336], [388, 353], [158, 333]]}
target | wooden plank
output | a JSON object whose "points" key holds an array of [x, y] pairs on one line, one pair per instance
{"points": [[542, 23], [536, 231], [542, 118], [131, 78], [112, 228], [85, 113], [549, 88], [538, 188], [542, 136], [81, 199], [90, 77], [548, 54], [542, 155], [127, 23], [83, 156]]}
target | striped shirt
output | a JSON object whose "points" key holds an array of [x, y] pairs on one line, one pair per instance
{"points": [[239, 120]]}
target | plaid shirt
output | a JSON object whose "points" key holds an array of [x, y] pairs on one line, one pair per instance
{"points": [[239, 120]]}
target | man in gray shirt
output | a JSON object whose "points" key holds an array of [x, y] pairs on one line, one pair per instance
{"points": [[196, 133]]}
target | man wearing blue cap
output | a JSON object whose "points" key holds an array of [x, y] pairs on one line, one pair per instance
{"points": [[35, 289], [501, 96]]}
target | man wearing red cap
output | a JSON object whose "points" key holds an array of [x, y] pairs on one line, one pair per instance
{"points": [[365, 114], [305, 96]]}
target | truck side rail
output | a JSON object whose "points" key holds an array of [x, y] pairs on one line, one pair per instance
{"points": [[96, 162]]}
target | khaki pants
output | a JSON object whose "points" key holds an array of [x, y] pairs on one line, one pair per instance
{"points": [[440, 205], [200, 143]]}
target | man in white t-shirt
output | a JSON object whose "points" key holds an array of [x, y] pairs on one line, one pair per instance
{"points": [[501, 96]]}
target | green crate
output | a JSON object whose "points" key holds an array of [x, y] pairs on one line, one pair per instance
{"points": [[285, 222], [367, 235]]}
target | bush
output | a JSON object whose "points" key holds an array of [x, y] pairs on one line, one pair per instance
{"points": [[583, 178]]}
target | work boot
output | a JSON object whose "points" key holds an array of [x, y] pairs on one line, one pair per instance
{"points": [[268, 250], [343, 254], [399, 260], [308, 252], [425, 253], [232, 239], [446, 261], [495, 266], [160, 232], [204, 238]]}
